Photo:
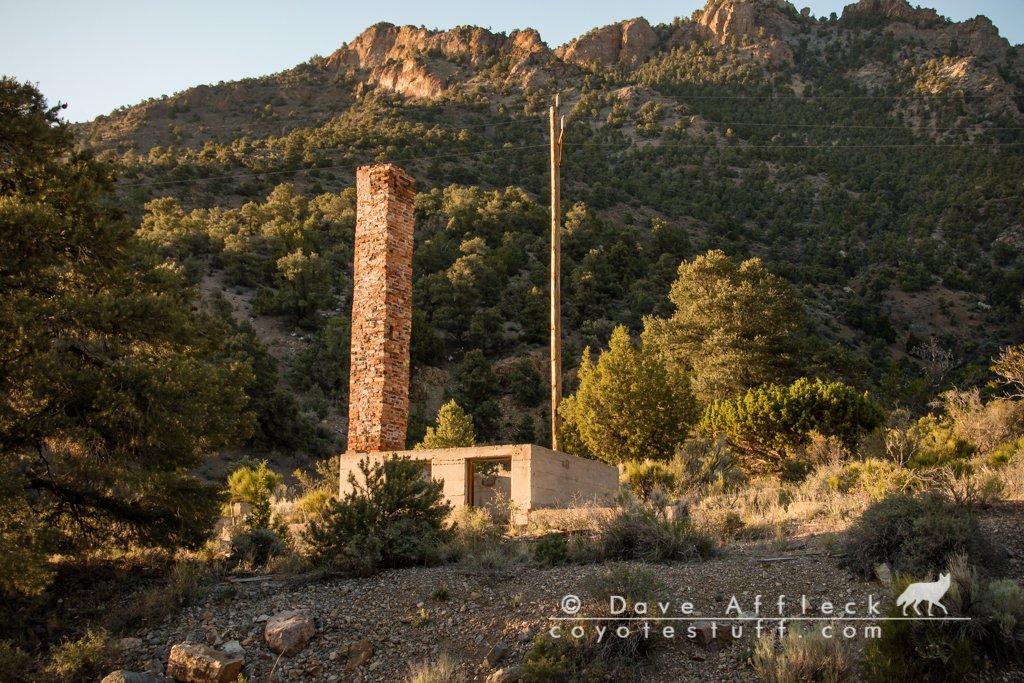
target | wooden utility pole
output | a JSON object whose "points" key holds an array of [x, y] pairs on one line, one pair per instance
{"points": [[557, 130]]}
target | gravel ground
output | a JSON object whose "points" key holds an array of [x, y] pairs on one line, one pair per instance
{"points": [[483, 608]]}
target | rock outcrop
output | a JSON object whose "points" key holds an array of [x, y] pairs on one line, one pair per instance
{"points": [[976, 37], [628, 41], [724, 20], [421, 63], [893, 9]]}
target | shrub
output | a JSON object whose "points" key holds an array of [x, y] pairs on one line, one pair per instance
{"points": [[527, 430], [496, 556], [315, 403], [257, 546], [454, 429], [771, 422], [14, 662], [629, 406], [985, 426], [82, 660], [644, 476], [551, 550], [425, 347], [185, 585], [254, 487], [700, 465], [645, 532], [525, 383], [804, 654], [916, 533], [1006, 452], [553, 660], [325, 362], [992, 635], [392, 519], [940, 444]]}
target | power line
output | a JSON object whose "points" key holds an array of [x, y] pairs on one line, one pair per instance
{"points": [[819, 146], [324, 168]]}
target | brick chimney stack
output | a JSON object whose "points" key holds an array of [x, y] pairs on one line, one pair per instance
{"points": [[378, 410]]}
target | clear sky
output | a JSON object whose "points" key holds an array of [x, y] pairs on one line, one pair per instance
{"points": [[99, 55]]}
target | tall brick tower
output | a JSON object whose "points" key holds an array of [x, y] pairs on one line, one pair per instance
{"points": [[378, 409]]}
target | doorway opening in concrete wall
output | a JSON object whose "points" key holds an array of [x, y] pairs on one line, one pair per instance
{"points": [[490, 487]]}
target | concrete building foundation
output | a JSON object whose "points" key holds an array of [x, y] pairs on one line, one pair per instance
{"points": [[536, 478]]}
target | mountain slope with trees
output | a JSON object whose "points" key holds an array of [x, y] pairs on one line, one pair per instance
{"points": [[873, 161]]}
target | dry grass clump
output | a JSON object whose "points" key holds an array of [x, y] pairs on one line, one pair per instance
{"points": [[804, 655], [444, 670], [645, 531]]}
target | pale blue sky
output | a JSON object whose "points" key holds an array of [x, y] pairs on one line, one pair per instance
{"points": [[100, 55]]}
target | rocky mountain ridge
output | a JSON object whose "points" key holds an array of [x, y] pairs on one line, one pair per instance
{"points": [[420, 63]]}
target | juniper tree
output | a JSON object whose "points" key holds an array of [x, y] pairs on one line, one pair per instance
{"points": [[109, 387], [629, 406]]}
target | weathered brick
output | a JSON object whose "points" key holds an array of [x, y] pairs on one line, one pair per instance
{"points": [[381, 309]]}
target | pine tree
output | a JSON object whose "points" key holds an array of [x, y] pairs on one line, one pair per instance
{"points": [[109, 387], [734, 326], [454, 429]]}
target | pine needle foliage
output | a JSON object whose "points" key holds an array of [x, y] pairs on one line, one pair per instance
{"points": [[110, 385], [391, 518], [454, 429]]}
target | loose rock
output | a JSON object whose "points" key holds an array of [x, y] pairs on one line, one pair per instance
{"points": [[883, 574], [192, 663], [289, 632], [498, 653], [126, 644], [711, 636], [123, 676], [359, 654], [510, 675]]}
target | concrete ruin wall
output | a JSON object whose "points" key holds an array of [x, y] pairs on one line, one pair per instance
{"points": [[541, 478], [381, 310]]}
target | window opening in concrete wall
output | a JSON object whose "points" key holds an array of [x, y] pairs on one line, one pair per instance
{"points": [[491, 487]]}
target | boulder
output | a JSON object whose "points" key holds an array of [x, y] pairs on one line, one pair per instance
{"points": [[359, 653], [194, 663], [123, 676], [289, 632], [498, 654]]}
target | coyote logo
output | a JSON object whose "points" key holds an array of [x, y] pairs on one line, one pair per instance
{"points": [[930, 592]]}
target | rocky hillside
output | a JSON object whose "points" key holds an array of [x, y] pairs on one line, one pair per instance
{"points": [[872, 159]]}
